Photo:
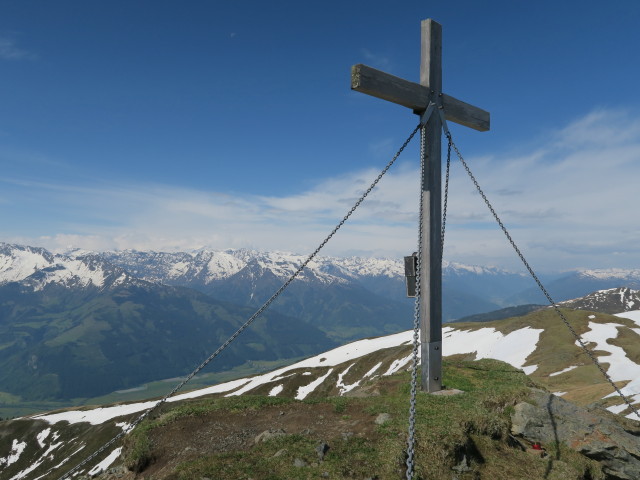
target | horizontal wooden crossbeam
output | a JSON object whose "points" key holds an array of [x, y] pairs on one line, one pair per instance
{"points": [[415, 96]]}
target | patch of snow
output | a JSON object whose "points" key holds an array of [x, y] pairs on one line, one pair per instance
{"points": [[71, 271], [633, 416], [16, 450], [396, 365], [560, 372], [620, 366], [21, 263], [276, 390], [282, 377], [618, 273], [222, 265], [513, 348], [178, 269], [364, 267], [371, 372], [343, 388], [306, 374], [104, 464], [307, 389], [42, 436], [28, 470], [592, 317], [617, 408], [632, 315], [478, 270], [559, 394], [124, 425], [528, 370], [120, 280]]}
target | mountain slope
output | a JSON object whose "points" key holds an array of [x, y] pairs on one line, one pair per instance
{"points": [[62, 344], [539, 344], [360, 436]]}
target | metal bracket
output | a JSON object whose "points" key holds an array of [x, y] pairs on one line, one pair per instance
{"points": [[432, 366], [445, 128], [410, 273], [424, 116]]}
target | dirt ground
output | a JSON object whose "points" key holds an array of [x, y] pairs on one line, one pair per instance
{"points": [[221, 431]]}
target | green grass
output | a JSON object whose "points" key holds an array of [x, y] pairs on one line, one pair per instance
{"points": [[475, 422]]}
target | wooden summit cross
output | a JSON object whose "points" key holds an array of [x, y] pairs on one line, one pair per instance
{"points": [[418, 97]]}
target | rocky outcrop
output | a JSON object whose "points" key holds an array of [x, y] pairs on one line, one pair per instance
{"points": [[594, 432]]}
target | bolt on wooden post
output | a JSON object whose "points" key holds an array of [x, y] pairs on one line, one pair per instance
{"points": [[418, 96]]}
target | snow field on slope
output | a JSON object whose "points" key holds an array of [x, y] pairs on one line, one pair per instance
{"points": [[513, 348], [80, 270], [20, 264], [620, 367]]}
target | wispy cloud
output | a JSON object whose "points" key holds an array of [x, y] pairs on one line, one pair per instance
{"points": [[570, 204], [10, 51], [376, 59]]}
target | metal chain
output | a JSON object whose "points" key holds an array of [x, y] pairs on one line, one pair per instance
{"points": [[446, 198], [416, 314], [416, 323], [256, 314], [537, 280]]}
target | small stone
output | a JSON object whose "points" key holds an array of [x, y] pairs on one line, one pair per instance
{"points": [[279, 453], [322, 450], [324, 474], [298, 462], [463, 466], [382, 419], [268, 435], [347, 435]]}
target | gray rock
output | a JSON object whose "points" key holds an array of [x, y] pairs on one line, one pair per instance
{"points": [[462, 466], [298, 462], [383, 418], [268, 435], [322, 450], [595, 434]]}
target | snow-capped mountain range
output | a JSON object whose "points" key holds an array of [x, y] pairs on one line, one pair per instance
{"points": [[466, 289], [248, 277], [36, 268]]}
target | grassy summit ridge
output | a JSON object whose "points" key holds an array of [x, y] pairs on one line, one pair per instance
{"points": [[465, 435]]}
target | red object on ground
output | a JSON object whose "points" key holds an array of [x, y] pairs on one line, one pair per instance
{"points": [[536, 446]]}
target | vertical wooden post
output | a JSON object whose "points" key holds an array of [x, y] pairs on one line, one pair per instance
{"points": [[431, 272], [417, 97]]}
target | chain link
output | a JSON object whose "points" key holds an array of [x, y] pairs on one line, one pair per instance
{"points": [[416, 322], [255, 315], [537, 280], [446, 198]]}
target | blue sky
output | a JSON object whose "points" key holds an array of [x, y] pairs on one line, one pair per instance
{"points": [[175, 125]]}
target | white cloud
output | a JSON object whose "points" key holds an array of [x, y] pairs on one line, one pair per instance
{"points": [[10, 51], [569, 204], [376, 59]]}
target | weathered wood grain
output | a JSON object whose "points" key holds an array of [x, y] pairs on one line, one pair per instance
{"points": [[412, 95]]}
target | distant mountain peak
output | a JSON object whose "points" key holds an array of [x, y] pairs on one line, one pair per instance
{"points": [[611, 300], [611, 273]]}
